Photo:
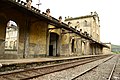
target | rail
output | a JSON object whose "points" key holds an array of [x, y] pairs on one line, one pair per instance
{"points": [[112, 71], [89, 69], [40, 71]]}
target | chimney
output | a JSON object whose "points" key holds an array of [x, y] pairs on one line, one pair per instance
{"points": [[69, 24], [29, 2], [48, 12], [95, 13], [60, 19], [80, 30], [85, 33], [68, 17], [65, 17], [91, 13]]}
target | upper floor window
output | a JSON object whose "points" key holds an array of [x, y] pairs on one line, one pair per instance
{"points": [[85, 23]]}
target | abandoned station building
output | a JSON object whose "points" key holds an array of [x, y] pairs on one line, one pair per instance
{"points": [[28, 33]]}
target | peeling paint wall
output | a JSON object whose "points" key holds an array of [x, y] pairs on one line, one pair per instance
{"points": [[38, 34], [68, 48], [2, 34], [66, 44], [90, 25], [107, 50]]}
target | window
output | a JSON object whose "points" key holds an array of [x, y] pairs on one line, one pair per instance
{"points": [[11, 45], [15, 44], [11, 36], [6, 43], [85, 23], [72, 47]]}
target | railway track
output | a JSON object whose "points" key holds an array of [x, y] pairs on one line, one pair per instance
{"points": [[31, 73], [75, 78], [113, 69], [110, 76]]}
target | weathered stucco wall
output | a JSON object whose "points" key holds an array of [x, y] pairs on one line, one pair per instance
{"points": [[38, 34], [65, 44], [107, 50], [2, 35], [78, 46], [32, 37]]}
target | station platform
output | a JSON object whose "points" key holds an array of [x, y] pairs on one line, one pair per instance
{"points": [[40, 59], [17, 64]]}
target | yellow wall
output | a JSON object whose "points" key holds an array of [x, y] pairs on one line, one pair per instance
{"points": [[38, 38]]}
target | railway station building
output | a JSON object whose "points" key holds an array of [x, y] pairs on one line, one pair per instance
{"points": [[38, 34], [90, 25]]}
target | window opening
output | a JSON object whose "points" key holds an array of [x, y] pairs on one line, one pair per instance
{"points": [[73, 40], [11, 36]]}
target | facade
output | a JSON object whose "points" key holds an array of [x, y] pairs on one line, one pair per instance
{"points": [[107, 50], [39, 34], [89, 25]]}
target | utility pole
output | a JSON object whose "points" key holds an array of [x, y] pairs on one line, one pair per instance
{"points": [[38, 4]]}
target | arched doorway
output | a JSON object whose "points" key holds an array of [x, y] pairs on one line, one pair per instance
{"points": [[11, 39], [53, 45]]}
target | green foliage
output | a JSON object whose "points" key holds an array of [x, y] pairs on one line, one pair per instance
{"points": [[115, 49]]}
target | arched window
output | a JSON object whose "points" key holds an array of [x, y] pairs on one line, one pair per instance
{"points": [[11, 35]]}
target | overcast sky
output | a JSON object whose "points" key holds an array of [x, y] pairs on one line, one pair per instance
{"points": [[108, 11]]}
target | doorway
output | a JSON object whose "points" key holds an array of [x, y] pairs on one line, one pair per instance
{"points": [[53, 44], [50, 50]]}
